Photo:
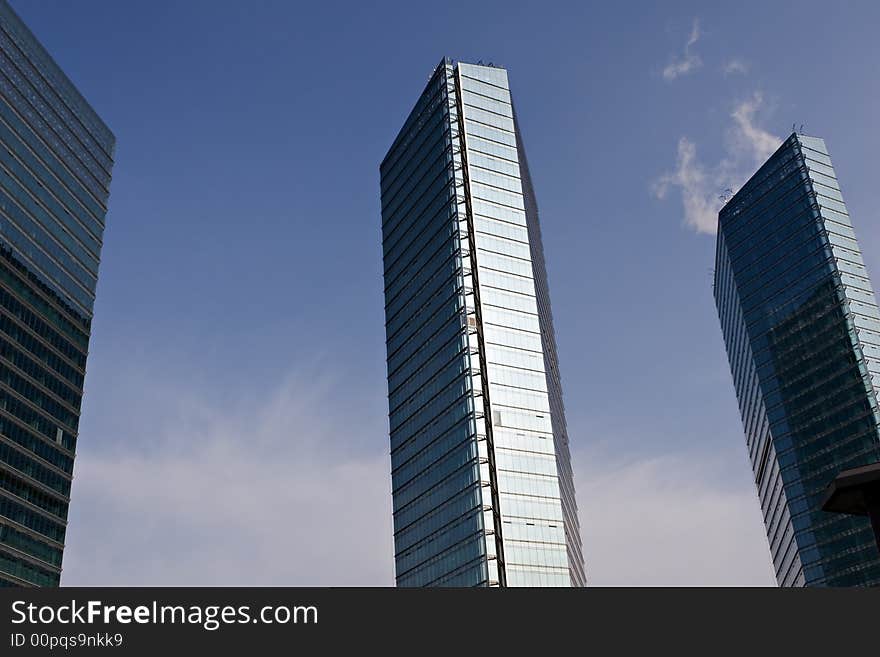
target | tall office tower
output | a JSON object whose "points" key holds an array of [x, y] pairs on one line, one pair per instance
{"points": [[481, 474], [55, 162], [802, 331]]}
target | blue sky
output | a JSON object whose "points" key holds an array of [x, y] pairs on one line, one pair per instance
{"points": [[234, 426]]}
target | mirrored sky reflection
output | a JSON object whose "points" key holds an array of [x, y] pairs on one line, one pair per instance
{"points": [[234, 426]]}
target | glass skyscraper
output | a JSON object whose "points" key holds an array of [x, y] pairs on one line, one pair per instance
{"points": [[802, 331], [483, 493], [55, 161]]}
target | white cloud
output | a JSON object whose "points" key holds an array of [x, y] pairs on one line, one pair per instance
{"points": [[272, 493], [268, 493], [734, 66], [746, 146], [697, 188], [746, 137], [689, 61], [670, 521]]}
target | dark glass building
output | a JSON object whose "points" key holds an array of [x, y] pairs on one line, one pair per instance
{"points": [[802, 331], [483, 493], [55, 161]]}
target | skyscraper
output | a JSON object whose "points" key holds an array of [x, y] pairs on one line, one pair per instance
{"points": [[483, 493], [55, 161], [802, 331]]}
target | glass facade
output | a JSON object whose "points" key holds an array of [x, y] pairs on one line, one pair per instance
{"points": [[483, 493], [802, 331], [56, 156]]}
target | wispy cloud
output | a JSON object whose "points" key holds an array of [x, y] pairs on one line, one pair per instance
{"points": [[271, 489], [746, 137], [262, 492], [697, 187], [689, 61], [682, 526], [746, 146], [735, 66]]}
